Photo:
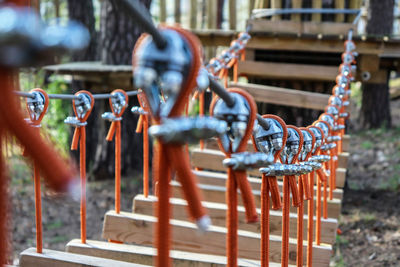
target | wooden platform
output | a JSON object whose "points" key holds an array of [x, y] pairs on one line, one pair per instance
{"points": [[217, 194], [139, 229], [145, 254], [50, 258], [219, 179], [209, 159], [217, 213]]}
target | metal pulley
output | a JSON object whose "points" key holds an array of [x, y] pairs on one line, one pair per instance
{"points": [[292, 147], [236, 117], [269, 140], [318, 137], [82, 108], [307, 145], [162, 71]]}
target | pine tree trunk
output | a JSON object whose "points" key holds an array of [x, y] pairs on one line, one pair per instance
{"points": [[375, 109], [118, 35]]}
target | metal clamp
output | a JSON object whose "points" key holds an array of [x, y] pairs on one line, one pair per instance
{"points": [[279, 169], [327, 147], [248, 160], [138, 110], [110, 117], [74, 121], [320, 158], [188, 130]]}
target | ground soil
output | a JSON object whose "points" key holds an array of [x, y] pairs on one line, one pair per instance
{"points": [[369, 222]]}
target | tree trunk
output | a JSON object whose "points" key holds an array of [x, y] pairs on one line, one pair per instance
{"points": [[83, 12], [375, 109], [118, 35]]}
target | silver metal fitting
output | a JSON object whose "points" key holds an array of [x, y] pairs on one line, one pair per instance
{"points": [[74, 121], [188, 130], [320, 158], [138, 110], [110, 117], [248, 160]]}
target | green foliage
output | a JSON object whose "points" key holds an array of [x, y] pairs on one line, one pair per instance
{"points": [[393, 183], [367, 144], [356, 93], [54, 225], [58, 110]]}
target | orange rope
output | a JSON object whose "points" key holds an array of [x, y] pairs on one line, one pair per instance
{"points": [[285, 223], [325, 204], [310, 225], [162, 230], [321, 179], [145, 157], [247, 196], [201, 113], [80, 136], [38, 209], [300, 218], [264, 221]]}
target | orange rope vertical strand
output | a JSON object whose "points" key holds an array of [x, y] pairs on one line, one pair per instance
{"points": [[163, 233], [38, 209], [310, 224], [332, 178], [285, 222], [145, 156], [82, 164], [325, 204], [318, 211], [118, 167], [300, 215], [235, 71], [201, 113], [231, 220], [264, 221]]}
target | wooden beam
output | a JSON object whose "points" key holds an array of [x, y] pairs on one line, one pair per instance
{"points": [[232, 14], [288, 71], [296, 4], [193, 14], [177, 13], [219, 179], [163, 11], [217, 213], [217, 194], [316, 4], [211, 14], [146, 255], [208, 159], [139, 229], [284, 96], [343, 159], [263, 26], [50, 258], [339, 4], [346, 142], [368, 62], [276, 4]]}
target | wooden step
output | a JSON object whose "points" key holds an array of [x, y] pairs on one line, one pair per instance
{"points": [[284, 96], [49, 258], [346, 143], [216, 194], [217, 213], [212, 144], [287, 71], [219, 179], [208, 159], [139, 229], [146, 254]]}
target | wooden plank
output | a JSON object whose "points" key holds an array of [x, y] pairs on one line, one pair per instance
{"points": [[193, 14], [232, 14], [326, 28], [368, 62], [263, 26], [296, 4], [276, 4], [316, 4], [343, 159], [216, 194], [49, 258], [139, 229], [339, 4], [163, 11], [288, 71], [217, 213], [284, 96], [208, 159], [177, 13], [211, 14], [219, 179], [146, 255], [346, 142]]}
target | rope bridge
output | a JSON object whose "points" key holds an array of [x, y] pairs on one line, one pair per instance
{"points": [[291, 170]]}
